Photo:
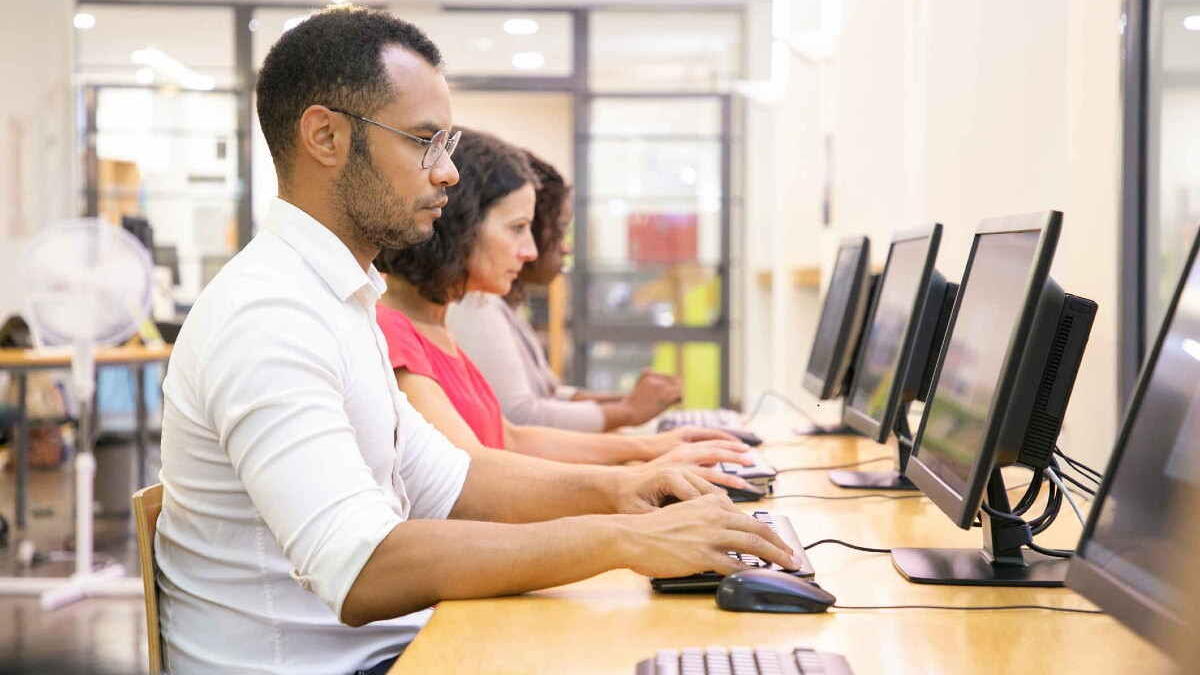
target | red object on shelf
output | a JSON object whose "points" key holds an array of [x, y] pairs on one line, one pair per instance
{"points": [[662, 237]]}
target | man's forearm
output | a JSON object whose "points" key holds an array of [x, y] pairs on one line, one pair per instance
{"points": [[504, 486], [422, 562]]}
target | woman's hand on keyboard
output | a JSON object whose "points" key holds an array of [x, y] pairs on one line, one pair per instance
{"points": [[697, 536], [704, 455], [668, 440]]}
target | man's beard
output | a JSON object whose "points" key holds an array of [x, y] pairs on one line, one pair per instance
{"points": [[377, 215]]}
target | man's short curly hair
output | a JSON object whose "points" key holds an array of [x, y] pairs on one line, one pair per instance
{"points": [[333, 59], [489, 170]]}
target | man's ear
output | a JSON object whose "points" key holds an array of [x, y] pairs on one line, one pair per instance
{"points": [[324, 135]]}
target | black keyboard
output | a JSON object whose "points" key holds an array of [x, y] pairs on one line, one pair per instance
{"points": [[708, 581], [744, 661]]}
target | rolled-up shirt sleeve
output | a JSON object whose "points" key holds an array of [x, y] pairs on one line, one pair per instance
{"points": [[292, 445]]}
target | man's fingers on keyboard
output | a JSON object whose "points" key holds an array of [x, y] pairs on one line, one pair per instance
{"points": [[723, 563], [749, 542], [751, 525]]}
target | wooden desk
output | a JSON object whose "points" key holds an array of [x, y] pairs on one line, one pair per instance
{"points": [[610, 622], [21, 361]]}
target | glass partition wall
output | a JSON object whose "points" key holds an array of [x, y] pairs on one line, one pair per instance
{"points": [[629, 102]]}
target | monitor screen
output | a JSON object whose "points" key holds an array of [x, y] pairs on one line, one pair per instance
{"points": [[880, 360], [1159, 466], [991, 302], [827, 344]]}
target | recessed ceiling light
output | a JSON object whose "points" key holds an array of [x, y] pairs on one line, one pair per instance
{"points": [[1192, 22], [528, 60], [253, 25], [520, 26], [84, 21]]}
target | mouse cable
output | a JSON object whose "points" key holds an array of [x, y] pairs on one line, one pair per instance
{"points": [[841, 497], [866, 496], [832, 466], [839, 542], [1071, 610]]}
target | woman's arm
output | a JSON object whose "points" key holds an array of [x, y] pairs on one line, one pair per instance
{"points": [[676, 446]]}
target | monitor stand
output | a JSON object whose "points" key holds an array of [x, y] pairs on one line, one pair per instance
{"points": [[870, 480], [1001, 562], [891, 479]]}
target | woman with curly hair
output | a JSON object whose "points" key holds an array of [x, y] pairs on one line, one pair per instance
{"points": [[509, 355], [480, 243]]}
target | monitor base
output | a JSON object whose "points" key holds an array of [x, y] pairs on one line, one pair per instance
{"points": [[968, 567], [870, 480]]}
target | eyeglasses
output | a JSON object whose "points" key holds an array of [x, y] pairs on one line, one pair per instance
{"points": [[444, 141]]}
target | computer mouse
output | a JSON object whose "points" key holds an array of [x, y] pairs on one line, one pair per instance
{"points": [[766, 590], [748, 437], [740, 495]]}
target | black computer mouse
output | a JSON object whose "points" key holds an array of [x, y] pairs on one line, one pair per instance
{"points": [[741, 495], [764, 590], [748, 437]]}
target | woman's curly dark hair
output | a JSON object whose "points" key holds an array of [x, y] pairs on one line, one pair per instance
{"points": [[489, 170]]}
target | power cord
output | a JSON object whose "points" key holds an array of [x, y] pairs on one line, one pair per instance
{"points": [[771, 393], [1071, 610], [1079, 466], [839, 542], [833, 466]]}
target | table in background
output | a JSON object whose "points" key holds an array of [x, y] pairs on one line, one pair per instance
{"points": [[608, 623], [20, 362]]}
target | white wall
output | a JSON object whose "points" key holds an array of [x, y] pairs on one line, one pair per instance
{"points": [[38, 172], [956, 111]]}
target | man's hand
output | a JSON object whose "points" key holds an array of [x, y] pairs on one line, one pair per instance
{"points": [[695, 536]]}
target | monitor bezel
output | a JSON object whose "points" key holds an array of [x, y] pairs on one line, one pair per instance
{"points": [[859, 420], [826, 385], [1140, 613], [962, 508]]}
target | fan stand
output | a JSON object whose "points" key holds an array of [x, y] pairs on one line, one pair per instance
{"points": [[87, 581]]}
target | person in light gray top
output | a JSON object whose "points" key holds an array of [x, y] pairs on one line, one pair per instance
{"points": [[495, 334]]}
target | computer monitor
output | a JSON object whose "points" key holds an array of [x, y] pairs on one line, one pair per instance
{"points": [[842, 312], [140, 228], [998, 396], [899, 337], [1130, 550]]}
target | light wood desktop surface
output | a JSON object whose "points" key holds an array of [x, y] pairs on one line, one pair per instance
{"points": [[610, 622]]}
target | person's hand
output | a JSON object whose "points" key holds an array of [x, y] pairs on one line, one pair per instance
{"points": [[652, 394], [695, 536], [702, 456], [646, 487], [666, 441]]}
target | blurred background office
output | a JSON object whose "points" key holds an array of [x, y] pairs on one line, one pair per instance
{"points": [[719, 150]]}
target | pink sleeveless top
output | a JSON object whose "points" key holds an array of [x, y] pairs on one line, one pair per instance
{"points": [[466, 388]]}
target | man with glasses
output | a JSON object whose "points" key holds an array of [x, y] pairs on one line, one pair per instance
{"points": [[308, 508]]}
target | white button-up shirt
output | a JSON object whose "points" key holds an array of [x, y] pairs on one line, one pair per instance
{"points": [[288, 454]]}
